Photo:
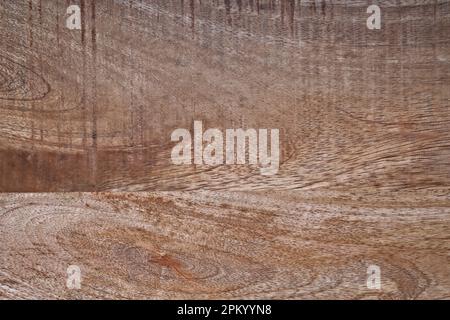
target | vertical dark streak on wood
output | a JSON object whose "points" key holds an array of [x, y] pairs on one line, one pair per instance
{"points": [[83, 22], [30, 22], [40, 11], [41, 67], [435, 54], [83, 94], [130, 140], [402, 50], [57, 24], [228, 11], [291, 17], [61, 79], [192, 5], [94, 94], [239, 4], [157, 12], [30, 35]]}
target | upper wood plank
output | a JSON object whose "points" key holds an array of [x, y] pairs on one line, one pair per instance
{"points": [[360, 111]]}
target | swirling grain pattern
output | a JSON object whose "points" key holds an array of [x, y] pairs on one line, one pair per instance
{"points": [[204, 245]]}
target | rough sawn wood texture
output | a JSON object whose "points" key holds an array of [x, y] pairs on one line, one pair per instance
{"points": [[364, 119]]}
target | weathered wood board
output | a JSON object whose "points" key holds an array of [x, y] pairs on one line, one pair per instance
{"points": [[93, 110], [205, 245]]}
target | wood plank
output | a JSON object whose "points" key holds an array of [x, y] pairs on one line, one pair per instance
{"points": [[93, 110], [221, 245]]}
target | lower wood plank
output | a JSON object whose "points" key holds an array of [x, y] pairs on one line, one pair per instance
{"points": [[205, 245]]}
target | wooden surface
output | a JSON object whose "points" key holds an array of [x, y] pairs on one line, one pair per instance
{"points": [[93, 110], [221, 245], [364, 119]]}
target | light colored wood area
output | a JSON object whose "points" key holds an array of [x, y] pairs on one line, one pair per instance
{"points": [[221, 245]]}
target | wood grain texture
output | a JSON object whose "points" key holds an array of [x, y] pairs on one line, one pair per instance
{"points": [[364, 119], [204, 245], [93, 110]]}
